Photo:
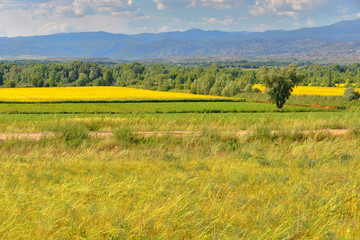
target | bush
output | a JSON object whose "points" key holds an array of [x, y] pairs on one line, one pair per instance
{"points": [[72, 133], [125, 136], [10, 84], [350, 94], [248, 88], [256, 90]]}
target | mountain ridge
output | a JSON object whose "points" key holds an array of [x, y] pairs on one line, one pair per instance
{"points": [[339, 40]]}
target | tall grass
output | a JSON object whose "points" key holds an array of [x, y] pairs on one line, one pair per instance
{"points": [[73, 133], [145, 122], [200, 186]]}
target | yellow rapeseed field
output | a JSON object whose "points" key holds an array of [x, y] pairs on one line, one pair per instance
{"points": [[309, 90], [91, 94]]}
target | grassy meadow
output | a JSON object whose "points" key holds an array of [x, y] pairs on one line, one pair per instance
{"points": [[147, 107], [208, 184]]}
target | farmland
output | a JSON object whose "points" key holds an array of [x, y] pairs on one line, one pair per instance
{"points": [[147, 107], [310, 90], [73, 94], [287, 177]]}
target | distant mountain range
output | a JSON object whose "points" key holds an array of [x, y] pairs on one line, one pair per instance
{"points": [[340, 41]]}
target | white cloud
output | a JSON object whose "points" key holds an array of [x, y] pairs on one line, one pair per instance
{"points": [[164, 29], [342, 10], [142, 29], [216, 4], [228, 21], [160, 5], [310, 22], [358, 15], [90, 7], [16, 4], [2, 32], [76, 8], [296, 24], [165, 4], [3, 3], [289, 8], [262, 28], [224, 22], [54, 27]]}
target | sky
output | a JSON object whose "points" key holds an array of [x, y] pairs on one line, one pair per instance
{"points": [[42, 17]]}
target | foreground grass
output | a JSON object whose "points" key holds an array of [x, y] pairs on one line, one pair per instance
{"points": [[212, 186]]}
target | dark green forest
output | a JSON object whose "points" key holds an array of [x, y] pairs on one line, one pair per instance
{"points": [[222, 79]]}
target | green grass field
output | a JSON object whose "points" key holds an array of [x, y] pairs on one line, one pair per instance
{"points": [[148, 107], [210, 184], [182, 121]]}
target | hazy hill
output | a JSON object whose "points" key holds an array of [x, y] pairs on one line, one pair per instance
{"points": [[337, 41]]}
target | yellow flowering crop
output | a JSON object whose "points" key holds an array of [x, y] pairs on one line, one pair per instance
{"points": [[92, 94], [309, 90]]}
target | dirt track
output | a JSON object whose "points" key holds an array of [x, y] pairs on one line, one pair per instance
{"points": [[39, 135]]}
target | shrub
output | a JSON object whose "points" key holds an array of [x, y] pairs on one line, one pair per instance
{"points": [[350, 94], [256, 90], [261, 133], [248, 88], [125, 136], [73, 133], [10, 84]]}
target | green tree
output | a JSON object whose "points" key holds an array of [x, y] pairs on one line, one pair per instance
{"points": [[179, 80], [99, 82], [193, 87], [72, 76], [329, 74], [219, 85], [94, 73], [108, 78], [205, 83], [52, 82], [40, 83], [279, 82], [188, 83], [83, 80], [36, 81], [1, 78], [230, 90]]}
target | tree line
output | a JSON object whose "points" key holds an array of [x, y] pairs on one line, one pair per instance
{"points": [[215, 79]]}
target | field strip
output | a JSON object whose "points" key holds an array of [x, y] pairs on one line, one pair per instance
{"points": [[107, 134]]}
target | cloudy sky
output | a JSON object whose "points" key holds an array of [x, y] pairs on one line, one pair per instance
{"points": [[38, 17]]}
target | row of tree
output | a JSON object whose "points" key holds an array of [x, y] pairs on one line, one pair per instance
{"points": [[215, 79]]}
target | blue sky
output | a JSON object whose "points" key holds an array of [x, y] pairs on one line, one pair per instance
{"points": [[38, 17]]}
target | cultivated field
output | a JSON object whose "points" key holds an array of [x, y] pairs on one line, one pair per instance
{"points": [[309, 90], [86, 94], [148, 107], [286, 177]]}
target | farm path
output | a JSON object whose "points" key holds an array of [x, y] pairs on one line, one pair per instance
{"points": [[106, 134]]}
